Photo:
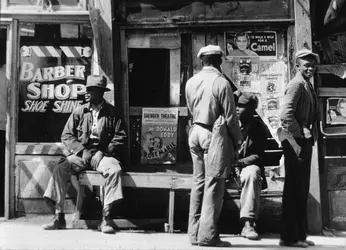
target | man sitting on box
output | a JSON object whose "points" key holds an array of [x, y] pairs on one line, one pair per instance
{"points": [[95, 137], [250, 168]]}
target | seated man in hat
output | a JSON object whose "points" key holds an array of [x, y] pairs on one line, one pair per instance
{"points": [[94, 135], [249, 167]]}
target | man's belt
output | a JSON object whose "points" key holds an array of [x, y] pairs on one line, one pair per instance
{"points": [[209, 127]]}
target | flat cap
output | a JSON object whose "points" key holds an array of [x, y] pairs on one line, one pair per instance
{"points": [[210, 50], [306, 52], [246, 98]]}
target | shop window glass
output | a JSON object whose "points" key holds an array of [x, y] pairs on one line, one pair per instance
{"points": [[54, 63], [53, 4]]}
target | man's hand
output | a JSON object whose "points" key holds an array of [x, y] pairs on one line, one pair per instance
{"points": [[307, 133], [87, 155], [95, 160]]}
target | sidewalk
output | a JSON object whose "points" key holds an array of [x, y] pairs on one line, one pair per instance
{"points": [[26, 233]]}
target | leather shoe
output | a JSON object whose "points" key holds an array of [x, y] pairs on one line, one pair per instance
{"points": [[249, 231], [300, 244], [215, 243], [56, 223], [309, 242], [105, 226]]}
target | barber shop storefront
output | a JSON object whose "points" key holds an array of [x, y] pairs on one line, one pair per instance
{"points": [[147, 51]]}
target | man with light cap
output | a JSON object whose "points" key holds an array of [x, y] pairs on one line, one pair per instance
{"points": [[298, 117], [209, 97], [94, 137], [250, 167]]}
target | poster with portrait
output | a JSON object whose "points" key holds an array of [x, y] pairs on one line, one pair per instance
{"points": [[52, 83], [159, 135], [261, 44], [336, 111]]}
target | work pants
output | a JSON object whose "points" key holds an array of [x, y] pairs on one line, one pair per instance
{"points": [[109, 167], [207, 192], [296, 191], [251, 182]]}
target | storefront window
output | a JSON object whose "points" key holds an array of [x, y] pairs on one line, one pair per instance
{"points": [[55, 61], [51, 4]]}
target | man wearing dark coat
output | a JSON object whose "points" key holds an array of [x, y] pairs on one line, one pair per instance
{"points": [[94, 136]]}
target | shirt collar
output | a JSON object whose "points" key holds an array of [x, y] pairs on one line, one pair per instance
{"points": [[210, 69], [98, 107]]}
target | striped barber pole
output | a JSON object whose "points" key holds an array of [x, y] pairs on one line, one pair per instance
{"points": [[59, 51]]}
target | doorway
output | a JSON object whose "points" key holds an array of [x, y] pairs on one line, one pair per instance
{"points": [[3, 104], [149, 73]]}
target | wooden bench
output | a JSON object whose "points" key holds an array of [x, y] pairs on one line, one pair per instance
{"points": [[168, 181]]}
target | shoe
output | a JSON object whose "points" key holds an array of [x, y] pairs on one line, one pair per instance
{"points": [[309, 242], [105, 226], [249, 231], [56, 223], [300, 244], [215, 243]]}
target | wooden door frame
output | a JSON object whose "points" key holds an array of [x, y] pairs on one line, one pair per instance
{"points": [[11, 113], [130, 39]]}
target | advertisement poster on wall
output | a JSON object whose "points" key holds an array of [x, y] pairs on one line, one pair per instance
{"points": [[336, 111], [268, 83], [51, 84], [159, 135], [261, 44]]}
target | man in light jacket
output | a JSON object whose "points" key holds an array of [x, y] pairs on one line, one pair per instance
{"points": [[209, 95]]}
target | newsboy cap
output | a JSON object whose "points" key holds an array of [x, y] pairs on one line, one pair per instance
{"points": [[210, 50], [96, 81], [246, 98], [306, 52]]}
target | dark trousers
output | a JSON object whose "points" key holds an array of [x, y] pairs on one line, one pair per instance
{"points": [[296, 191]]}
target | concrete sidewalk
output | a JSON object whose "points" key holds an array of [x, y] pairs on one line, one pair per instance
{"points": [[26, 233]]}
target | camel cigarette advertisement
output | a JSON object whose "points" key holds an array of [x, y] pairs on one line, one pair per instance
{"points": [[336, 111], [262, 44], [51, 85], [159, 135]]}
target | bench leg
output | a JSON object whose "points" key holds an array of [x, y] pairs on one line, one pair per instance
{"points": [[171, 211], [79, 203]]}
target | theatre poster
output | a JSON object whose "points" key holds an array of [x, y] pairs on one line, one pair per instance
{"points": [[52, 83], [159, 135]]}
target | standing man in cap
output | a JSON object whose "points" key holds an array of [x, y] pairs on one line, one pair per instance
{"points": [[298, 117], [250, 167], [94, 136], [209, 95]]}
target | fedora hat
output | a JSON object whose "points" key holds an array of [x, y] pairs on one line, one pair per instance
{"points": [[96, 81]]}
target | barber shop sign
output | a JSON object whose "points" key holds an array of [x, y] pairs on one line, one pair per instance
{"points": [[51, 85]]}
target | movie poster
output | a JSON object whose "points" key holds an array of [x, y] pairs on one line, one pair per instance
{"points": [[51, 85], [260, 44], [159, 135], [336, 111]]}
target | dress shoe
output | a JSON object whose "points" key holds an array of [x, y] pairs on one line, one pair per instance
{"points": [[215, 243], [300, 244], [105, 226], [309, 242], [58, 222], [249, 231]]}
